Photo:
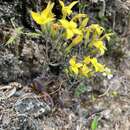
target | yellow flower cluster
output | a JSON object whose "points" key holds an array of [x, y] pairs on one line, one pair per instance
{"points": [[78, 32], [87, 67]]}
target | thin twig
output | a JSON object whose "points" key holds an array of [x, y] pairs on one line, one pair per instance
{"points": [[106, 92], [57, 89]]}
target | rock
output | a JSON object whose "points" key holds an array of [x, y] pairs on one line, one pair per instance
{"points": [[127, 73], [27, 52], [106, 114], [29, 104], [9, 68], [24, 122]]}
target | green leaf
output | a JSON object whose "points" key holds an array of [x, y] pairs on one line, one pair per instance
{"points": [[19, 30], [11, 40], [94, 123], [80, 90], [84, 23], [32, 34], [16, 34], [87, 35]]}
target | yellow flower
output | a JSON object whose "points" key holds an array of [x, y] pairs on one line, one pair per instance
{"points": [[71, 28], [78, 16], [84, 70], [77, 40], [45, 16], [100, 46], [98, 67], [87, 60], [66, 10], [74, 67], [98, 30]]}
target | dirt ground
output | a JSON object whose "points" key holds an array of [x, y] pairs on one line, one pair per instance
{"points": [[24, 64]]}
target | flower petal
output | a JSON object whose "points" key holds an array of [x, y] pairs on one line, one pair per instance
{"points": [[78, 65], [72, 4], [69, 34], [75, 70], [87, 60], [61, 3], [77, 40], [37, 17], [72, 61]]}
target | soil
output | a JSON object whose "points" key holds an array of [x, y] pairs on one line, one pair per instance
{"points": [[24, 66]]}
